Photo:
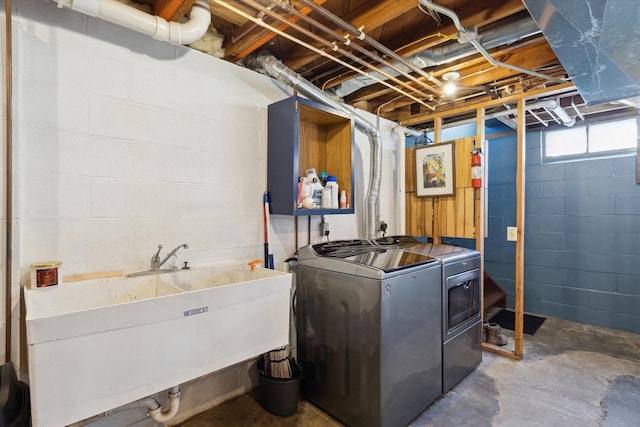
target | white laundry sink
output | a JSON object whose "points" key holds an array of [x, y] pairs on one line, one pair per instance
{"points": [[98, 344]]}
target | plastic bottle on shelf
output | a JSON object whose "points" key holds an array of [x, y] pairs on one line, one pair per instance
{"points": [[323, 178], [326, 198], [332, 183], [316, 193], [304, 191], [343, 200]]}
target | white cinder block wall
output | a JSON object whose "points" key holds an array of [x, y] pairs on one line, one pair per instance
{"points": [[3, 117], [123, 142]]}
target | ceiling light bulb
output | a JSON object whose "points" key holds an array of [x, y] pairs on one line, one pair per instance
{"points": [[449, 88]]}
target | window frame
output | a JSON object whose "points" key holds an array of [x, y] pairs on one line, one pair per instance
{"points": [[587, 155]]}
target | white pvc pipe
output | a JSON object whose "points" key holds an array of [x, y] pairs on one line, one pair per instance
{"points": [[562, 114], [155, 409], [400, 179], [142, 22]]}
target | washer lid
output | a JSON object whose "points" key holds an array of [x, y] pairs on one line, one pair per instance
{"points": [[343, 248], [389, 260], [360, 252], [445, 253]]}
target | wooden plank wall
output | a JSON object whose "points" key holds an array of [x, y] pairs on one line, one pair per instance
{"points": [[453, 216]]}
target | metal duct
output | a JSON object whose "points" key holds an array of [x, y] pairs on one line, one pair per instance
{"points": [[522, 28], [597, 42], [276, 69], [470, 35]]}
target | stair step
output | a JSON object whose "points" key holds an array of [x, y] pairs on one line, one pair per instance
{"points": [[493, 294]]}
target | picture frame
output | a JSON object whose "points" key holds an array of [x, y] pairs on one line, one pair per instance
{"points": [[435, 173]]}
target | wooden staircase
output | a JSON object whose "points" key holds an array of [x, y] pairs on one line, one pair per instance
{"points": [[494, 296]]}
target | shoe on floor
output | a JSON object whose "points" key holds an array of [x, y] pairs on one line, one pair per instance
{"points": [[493, 335]]}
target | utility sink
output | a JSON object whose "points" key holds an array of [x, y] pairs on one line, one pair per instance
{"points": [[98, 344]]}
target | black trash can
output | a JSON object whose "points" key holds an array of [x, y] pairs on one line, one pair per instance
{"points": [[279, 395], [15, 403]]}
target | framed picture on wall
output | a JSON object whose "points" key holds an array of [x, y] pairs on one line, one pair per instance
{"points": [[434, 170]]}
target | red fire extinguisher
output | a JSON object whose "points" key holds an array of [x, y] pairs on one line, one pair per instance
{"points": [[476, 169]]}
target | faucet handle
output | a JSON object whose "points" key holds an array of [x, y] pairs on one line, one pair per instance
{"points": [[156, 257]]}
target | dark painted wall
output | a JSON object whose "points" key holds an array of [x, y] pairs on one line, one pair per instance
{"points": [[582, 235]]}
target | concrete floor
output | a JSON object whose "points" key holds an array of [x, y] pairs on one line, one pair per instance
{"points": [[571, 375]]}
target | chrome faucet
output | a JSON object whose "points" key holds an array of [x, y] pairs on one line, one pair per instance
{"points": [[156, 263]]}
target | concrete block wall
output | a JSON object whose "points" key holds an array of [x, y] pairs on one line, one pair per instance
{"points": [[124, 142], [128, 143], [582, 225], [500, 253], [3, 117]]}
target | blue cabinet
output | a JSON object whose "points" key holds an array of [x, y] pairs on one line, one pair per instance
{"points": [[304, 134]]}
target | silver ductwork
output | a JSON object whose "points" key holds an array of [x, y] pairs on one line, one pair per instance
{"points": [[271, 66], [453, 51], [597, 42], [470, 35]]}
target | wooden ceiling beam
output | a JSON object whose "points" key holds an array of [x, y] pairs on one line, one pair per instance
{"points": [[476, 71], [172, 10], [369, 17], [477, 14], [255, 41], [230, 16], [534, 56]]}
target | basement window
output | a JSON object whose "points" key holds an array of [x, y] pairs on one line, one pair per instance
{"points": [[611, 138]]}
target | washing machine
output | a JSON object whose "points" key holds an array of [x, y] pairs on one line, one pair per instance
{"points": [[368, 325]]}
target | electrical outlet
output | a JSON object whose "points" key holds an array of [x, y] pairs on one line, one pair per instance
{"points": [[512, 234]]}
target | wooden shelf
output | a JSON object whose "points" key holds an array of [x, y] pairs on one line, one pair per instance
{"points": [[304, 134]]}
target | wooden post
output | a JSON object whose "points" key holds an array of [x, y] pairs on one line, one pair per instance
{"points": [[479, 205], [520, 198], [437, 134], [517, 352]]}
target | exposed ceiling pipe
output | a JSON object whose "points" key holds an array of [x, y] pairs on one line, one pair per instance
{"points": [[512, 32], [575, 108], [561, 114], [538, 118], [142, 22], [470, 35], [548, 104], [389, 70], [332, 46], [553, 116], [367, 39], [320, 52], [271, 66]]}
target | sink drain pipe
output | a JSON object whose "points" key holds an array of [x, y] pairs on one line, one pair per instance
{"points": [[276, 69], [155, 409]]}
